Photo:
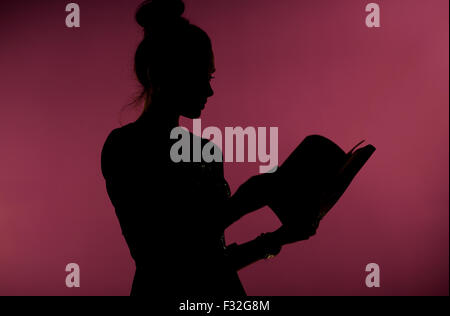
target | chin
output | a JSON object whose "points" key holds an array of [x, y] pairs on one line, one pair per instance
{"points": [[195, 114]]}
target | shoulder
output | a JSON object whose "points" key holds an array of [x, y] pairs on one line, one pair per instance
{"points": [[114, 147], [117, 138], [121, 134]]}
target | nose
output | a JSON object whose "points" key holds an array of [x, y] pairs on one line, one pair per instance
{"points": [[209, 91]]}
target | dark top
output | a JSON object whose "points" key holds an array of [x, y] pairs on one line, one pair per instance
{"points": [[171, 214]]}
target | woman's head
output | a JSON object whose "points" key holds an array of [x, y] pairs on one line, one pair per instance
{"points": [[174, 62]]}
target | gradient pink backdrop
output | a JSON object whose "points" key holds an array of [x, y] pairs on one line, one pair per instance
{"points": [[308, 67]]}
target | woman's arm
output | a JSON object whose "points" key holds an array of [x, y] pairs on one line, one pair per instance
{"points": [[254, 194], [263, 247]]}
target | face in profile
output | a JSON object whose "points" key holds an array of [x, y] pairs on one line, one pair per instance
{"points": [[190, 86]]}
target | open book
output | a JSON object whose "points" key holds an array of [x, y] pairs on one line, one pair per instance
{"points": [[312, 180]]}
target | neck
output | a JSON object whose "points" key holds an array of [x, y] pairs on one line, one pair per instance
{"points": [[159, 114]]}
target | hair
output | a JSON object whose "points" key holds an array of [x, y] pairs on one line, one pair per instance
{"points": [[169, 41]]}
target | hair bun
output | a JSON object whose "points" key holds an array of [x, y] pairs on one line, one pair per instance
{"points": [[152, 14]]}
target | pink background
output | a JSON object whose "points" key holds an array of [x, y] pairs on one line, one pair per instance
{"points": [[308, 67]]}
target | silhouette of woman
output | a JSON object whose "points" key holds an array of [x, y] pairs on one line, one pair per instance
{"points": [[173, 216]]}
